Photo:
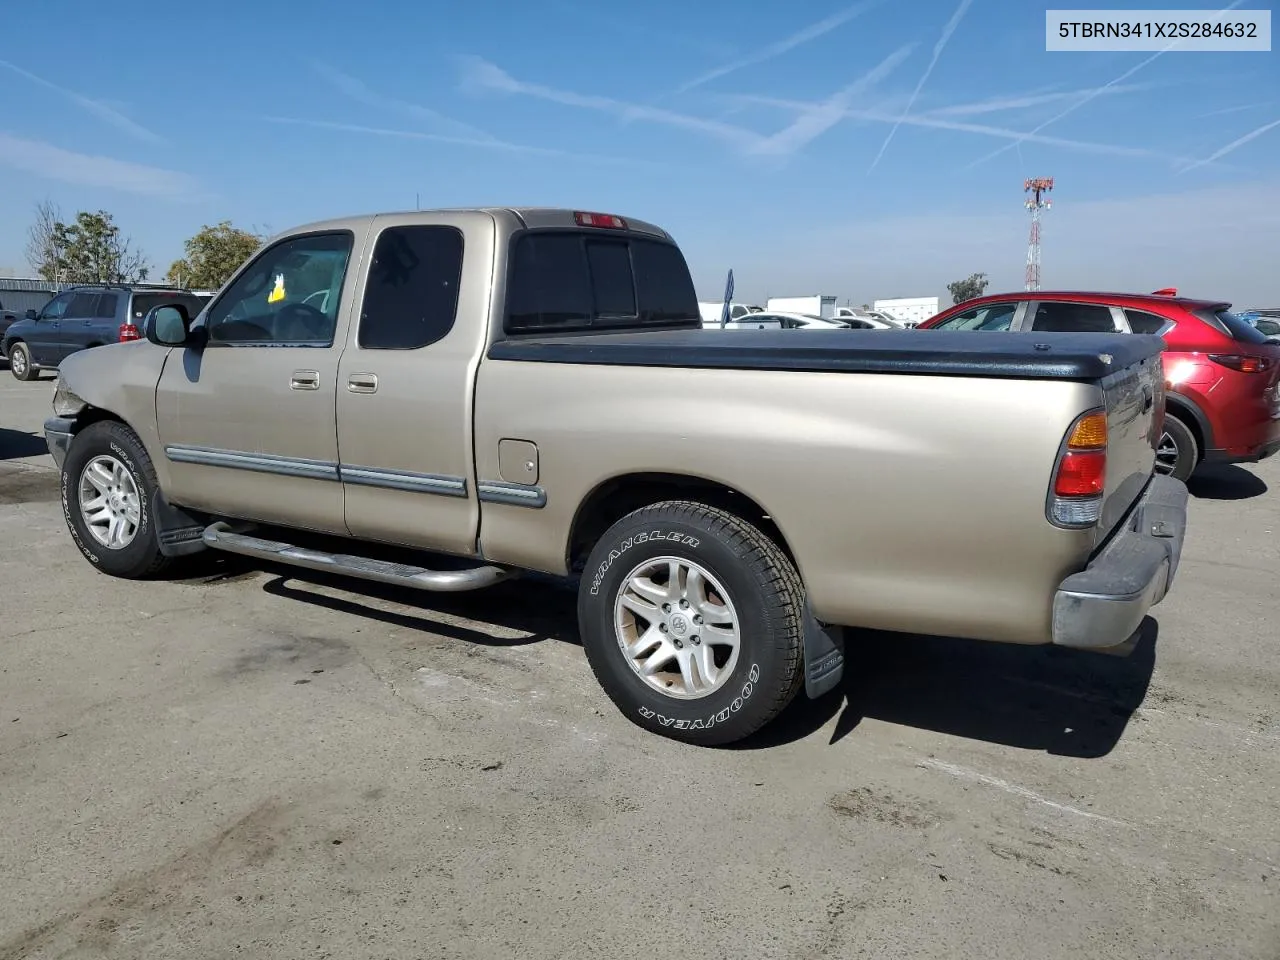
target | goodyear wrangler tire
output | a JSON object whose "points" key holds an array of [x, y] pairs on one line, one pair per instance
{"points": [[691, 621], [108, 488]]}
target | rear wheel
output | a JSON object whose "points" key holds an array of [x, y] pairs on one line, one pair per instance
{"points": [[1178, 454], [691, 621], [20, 364]]}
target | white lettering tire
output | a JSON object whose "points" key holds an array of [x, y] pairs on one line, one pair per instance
{"points": [[691, 619]]}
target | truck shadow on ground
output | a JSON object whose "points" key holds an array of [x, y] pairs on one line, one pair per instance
{"points": [[1065, 702], [1050, 699], [1225, 482], [18, 444], [524, 611]]}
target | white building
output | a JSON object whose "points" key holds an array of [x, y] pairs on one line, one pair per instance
{"points": [[908, 309]]}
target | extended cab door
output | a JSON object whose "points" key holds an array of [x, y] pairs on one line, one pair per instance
{"points": [[247, 421], [405, 382]]}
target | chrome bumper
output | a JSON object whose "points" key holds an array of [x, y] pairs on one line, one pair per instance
{"points": [[58, 432], [1104, 605]]}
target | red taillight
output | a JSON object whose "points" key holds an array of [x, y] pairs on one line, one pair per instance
{"points": [[1243, 364], [606, 220], [1081, 473], [129, 331]]}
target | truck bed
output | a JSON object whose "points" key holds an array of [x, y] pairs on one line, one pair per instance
{"points": [[1043, 356]]}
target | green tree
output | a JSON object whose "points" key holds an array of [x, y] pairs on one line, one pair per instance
{"points": [[212, 255], [963, 290], [91, 250]]}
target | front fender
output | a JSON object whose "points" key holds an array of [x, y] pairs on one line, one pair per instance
{"points": [[120, 380]]}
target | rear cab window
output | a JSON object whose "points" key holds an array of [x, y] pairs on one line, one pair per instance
{"points": [[573, 280]]}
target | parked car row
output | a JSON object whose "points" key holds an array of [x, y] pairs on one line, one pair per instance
{"points": [[81, 318], [1222, 373]]}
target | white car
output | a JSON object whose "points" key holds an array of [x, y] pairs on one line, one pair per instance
{"points": [[807, 321]]}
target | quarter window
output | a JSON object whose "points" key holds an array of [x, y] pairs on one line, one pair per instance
{"points": [[288, 295], [1142, 322], [411, 297]]}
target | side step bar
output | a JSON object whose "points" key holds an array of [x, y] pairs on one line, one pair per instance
{"points": [[221, 536]]}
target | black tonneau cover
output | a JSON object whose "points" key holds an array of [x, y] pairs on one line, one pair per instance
{"points": [[1036, 356]]}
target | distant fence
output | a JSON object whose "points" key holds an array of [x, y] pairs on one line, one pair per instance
{"points": [[20, 294]]}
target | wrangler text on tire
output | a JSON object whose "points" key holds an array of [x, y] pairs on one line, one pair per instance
{"points": [[691, 619]]}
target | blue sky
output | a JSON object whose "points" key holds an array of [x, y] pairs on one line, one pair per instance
{"points": [[864, 150]]}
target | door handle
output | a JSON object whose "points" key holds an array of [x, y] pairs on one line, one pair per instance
{"points": [[304, 380], [362, 383]]}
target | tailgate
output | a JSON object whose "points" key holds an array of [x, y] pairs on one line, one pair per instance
{"points": [[1134, 401]]}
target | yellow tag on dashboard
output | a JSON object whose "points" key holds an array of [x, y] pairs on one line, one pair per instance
{"points": [[277, 292]]}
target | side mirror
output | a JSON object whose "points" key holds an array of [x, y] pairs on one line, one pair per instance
{"points": [[30, 314], [168, 325]]}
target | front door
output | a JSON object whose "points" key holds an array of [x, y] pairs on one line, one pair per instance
{"points": [[45, 343], [247, 421], [405, 383]]}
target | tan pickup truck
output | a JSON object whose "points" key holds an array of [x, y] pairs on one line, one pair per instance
{"points": [[510, 390]]}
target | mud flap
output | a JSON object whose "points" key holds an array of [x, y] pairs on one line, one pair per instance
{"points": [[177, 532], [823, 655]]}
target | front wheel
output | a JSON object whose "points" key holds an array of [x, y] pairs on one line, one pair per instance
{"points": [[691, 621], [108, 488], [1178, 454], [20, 364]]}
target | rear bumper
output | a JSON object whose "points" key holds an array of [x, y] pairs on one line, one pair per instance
{"points": [[1103, 605], [1253, 456], [58, 432]]}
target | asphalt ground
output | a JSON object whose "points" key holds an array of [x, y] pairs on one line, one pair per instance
{"points": [[261, 762]]}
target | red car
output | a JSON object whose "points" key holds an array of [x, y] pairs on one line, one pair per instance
{"points": [[1223, 377]]}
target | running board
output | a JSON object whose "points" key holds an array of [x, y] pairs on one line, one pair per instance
{"points": [[221, 536]]}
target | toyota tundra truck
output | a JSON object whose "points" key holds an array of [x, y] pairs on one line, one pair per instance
{"points": [[494, 392]]}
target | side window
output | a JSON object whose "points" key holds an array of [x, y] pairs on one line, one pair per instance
{"points": [[989, 316], [288, 295], [55, 308], [411, 297], [1142, 322], [1073, 318], [81, 307], [107, 304]]}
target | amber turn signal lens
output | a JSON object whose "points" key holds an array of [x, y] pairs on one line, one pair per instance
{"points": [[1089, 433]]}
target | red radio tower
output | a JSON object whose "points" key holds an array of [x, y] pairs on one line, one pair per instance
{"points": [[1035, 188]]}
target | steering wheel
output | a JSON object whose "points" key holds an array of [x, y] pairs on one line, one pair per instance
{"points": [[302, 322]]}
